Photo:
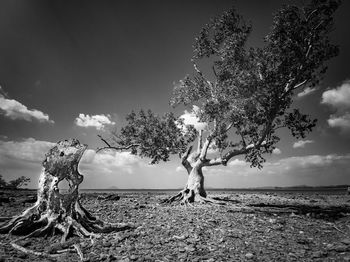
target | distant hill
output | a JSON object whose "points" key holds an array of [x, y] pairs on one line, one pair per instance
{"points": [[112, 187]]}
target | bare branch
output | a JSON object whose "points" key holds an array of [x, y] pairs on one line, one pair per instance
{"points": [[104, 140], [204, 150], [200, 141], [117, 148], [214, 71], [184, 160], [114, 147]]}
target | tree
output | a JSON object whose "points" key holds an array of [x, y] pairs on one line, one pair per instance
{"points": [[248, 97], [2, 182], [18, 182], [56, 211]]}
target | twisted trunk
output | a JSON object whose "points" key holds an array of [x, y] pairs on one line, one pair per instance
{"points": [[56, 211]]}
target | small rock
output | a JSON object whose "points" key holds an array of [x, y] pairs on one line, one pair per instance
{"points": [[107, 244], [346, 241], [341, 248], [133, 257], [249, 255], [180, 249], [347, 259], [316, 254]]}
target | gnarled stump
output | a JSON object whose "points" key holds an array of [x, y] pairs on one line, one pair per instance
{"points": [[55, 211]]}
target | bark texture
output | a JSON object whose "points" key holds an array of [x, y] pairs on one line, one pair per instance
{"points": [[56, 211], [194, 188]]}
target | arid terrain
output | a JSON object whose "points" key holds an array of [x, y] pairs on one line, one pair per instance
{"points": [[251, 226]]}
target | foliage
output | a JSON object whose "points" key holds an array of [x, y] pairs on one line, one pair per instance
{"points": [[153, 136], [249, 93], [14, 184], [2, 182]]}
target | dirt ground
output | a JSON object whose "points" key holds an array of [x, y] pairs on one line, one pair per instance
{"points": [[251, 226]]}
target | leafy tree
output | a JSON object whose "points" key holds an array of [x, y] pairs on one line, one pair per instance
{"points": [[18, 182], [2, 182], [244, 98]]}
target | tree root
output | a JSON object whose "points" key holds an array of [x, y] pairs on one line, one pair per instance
{"points": [[187, 197], [81, 223]]}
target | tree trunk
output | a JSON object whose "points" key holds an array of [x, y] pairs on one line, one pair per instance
{"points": [[195, 183], [59, 211], [194, 189]]}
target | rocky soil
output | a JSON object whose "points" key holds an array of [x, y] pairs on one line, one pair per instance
{"points": [[249, 227]]}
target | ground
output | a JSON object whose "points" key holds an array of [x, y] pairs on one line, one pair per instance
{"points": [[203, 232]]}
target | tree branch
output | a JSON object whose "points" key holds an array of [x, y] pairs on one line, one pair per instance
{"points": [[184, 160], [200, 141], [114, 147], [204, 150]]}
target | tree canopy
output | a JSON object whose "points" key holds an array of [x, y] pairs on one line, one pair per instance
{"points": [[15, 183], [248, 93]]}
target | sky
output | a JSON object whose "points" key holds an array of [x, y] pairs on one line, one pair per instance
{"points": [[75, 69]]}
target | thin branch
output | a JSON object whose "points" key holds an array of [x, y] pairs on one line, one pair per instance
{"points": [[229, 127], [200, 141], [214, 71], [184, 160], [104, 140], [204, 150], [203, 77], [114, 147]]}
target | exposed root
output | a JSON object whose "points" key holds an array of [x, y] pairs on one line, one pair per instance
{"points": [[210, 200], [32, 252], [187, 197], [80, 223], [57, 212]]}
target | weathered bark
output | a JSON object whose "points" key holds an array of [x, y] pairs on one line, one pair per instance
{"points": [[56, 211], [194, 189]]}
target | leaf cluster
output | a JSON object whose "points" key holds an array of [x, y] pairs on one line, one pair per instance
{"points": [[14, 184], [251, 93], [154, 136]]}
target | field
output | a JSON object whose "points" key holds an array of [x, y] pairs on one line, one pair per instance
{"points": [[251, 226]]}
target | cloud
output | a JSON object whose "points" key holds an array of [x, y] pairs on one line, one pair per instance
{"points": [[306, 91], [238, 162], [25, 157], [28, 149], [276, 151], [15, 110], [190, 118], [110, 161], [97, 121], [302, 143], [311, 170], [180, 169], [342, 121], [339, 99]]}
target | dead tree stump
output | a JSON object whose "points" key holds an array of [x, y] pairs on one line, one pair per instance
{"points": [[55, 211]]}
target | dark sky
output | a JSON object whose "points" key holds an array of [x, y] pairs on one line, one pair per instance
{"points": [[59, 59]]}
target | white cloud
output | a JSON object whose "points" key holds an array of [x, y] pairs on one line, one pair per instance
{"points": [[190, 118], [179, 169], [276, 151], [97, 121], [342, 121], [311, 170], [15, 110], [237, 162], [302, 143], [25, 157], [306, 91], [26, 150], [339, 99], [110, 161], [310, 161]]}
